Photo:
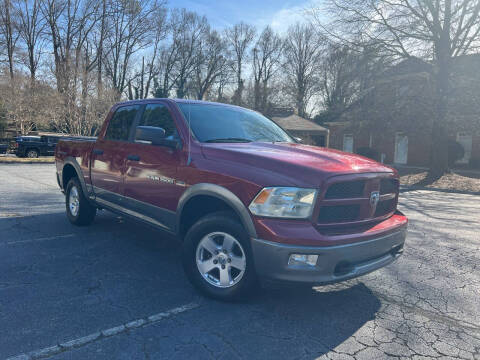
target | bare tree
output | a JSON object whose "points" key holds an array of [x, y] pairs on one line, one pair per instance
{"points": [[102, 30], [142, 81], [28, 106], [239, 38], [302, 52], [188, 28], [436, 30], [7, 31], [339, 78], [31, 26], [164, 81], [131, 26], [266, 58], [225, 78], [210, 62], [69, 23]]}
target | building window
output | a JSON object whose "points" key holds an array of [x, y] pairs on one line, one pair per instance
{"points": [[348, 143]]}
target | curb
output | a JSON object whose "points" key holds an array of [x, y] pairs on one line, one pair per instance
{"points": [[414, 188]]}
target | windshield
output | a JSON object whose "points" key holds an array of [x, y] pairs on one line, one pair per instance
{"points": [[217, 123]]}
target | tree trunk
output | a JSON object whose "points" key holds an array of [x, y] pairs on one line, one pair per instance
{"points": [[264, 97], [439, 147], [9, 37], [237, 96], [256, 94]]}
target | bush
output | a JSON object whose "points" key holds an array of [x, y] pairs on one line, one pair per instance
{"points": [[369, 153]]}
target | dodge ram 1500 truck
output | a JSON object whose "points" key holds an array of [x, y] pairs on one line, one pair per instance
{"points": [[246, 200]]}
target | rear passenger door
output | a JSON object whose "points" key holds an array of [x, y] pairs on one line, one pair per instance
{"points": [[109, 155]]}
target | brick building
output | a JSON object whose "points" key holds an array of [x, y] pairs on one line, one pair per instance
{"points": [[394, 118]]}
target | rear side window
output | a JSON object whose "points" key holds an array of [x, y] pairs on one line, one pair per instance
{"points": [[158, 115], [121, 123]]}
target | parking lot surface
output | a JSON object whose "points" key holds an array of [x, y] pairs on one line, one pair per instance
{"points": [[116, 290]]}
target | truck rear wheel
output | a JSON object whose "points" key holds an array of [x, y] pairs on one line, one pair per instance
{"points": [[79, 211], [32, 153], [217, 257]]}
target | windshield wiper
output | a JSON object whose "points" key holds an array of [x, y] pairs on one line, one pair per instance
{"points": [[227, 140]]}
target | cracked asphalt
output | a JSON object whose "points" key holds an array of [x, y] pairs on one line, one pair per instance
{"points": [[59, 282]]}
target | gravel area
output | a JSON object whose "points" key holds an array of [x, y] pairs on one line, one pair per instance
{"points": [[451, 181]]}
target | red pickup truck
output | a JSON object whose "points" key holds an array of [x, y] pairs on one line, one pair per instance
{"points": [[246, 200]]}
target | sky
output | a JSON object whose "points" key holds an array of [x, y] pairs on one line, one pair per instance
{"points": [[279, 14]]}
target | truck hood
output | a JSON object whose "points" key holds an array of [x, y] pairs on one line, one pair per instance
{"points": [[303, 165]]}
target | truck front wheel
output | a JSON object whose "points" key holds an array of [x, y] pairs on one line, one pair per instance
{"points": [[79, 211], [217, 257]]}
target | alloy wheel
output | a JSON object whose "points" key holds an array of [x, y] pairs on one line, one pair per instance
{"points": [[73, 201], [221, 259]]}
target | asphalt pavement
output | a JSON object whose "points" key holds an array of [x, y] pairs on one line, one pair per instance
{"points": [[116, 290]]}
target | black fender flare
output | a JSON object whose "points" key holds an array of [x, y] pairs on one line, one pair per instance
{"points": [[73, 162], [220, 193]]}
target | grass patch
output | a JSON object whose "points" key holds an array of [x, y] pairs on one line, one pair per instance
{"points": [[17, 160]]}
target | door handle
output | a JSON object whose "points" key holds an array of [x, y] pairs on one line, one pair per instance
{"points": [[133, 157], [98, 151]]}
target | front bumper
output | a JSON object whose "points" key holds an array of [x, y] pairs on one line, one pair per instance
{"points": [[335, 263]]}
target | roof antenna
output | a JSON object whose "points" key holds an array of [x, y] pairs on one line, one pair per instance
{"points": [[189, 160]]}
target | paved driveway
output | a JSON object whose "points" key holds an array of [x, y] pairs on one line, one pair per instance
{"points": [[116, 290]]}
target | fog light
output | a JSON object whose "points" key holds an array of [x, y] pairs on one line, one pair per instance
{"points": [[303, 259]]}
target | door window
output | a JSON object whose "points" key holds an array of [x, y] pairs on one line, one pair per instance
{"points": [[158, 115], [121, 123]]}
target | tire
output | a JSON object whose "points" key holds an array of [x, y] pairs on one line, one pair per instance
{"points": [[32, 153], [79, 210], [232, 276]]}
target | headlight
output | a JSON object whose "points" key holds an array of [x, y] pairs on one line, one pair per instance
{"points": [[284, 202]]}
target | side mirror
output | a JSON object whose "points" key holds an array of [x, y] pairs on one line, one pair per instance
{"points": [[298, 140], [154, 136]]}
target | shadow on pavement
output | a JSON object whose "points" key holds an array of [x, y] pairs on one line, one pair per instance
{"points": [[116, 271]]}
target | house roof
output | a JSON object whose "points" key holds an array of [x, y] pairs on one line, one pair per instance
{"points": [[460, 64], [297, 123], [411, 65]]}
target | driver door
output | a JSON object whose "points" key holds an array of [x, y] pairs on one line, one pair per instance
{"points": [[150, 186]]}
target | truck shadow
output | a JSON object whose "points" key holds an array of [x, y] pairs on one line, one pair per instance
{"points": [[294, 322], [108, 268], [280, 321]]}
